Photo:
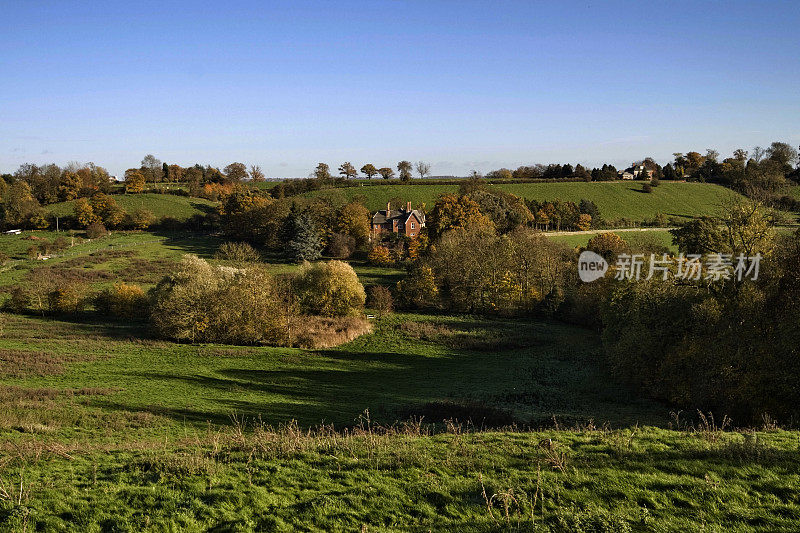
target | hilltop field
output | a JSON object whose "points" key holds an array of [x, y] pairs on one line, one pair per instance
{"points": [[431, 421], [616, 200]]}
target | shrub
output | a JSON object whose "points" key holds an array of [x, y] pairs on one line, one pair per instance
{"points": [[141, 219], [3, 258], [418, 290], [203, 303], [608, 244], [66, 299], [647, 188], [95, 230], [60, 243], [655, 182], [32, 251], [380, 256], [380, 299], [329, 289], [341, 246], [238, 252], [123, 300]]}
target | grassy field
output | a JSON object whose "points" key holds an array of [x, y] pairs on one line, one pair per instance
{"points": [[161, 205], [615, 200], [103, 430], [636, 239]]}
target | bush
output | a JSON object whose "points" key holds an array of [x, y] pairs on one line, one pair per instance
{"points": [[60, 243], [95, 230], [203, 303], [380, 299], [609, 245], [647, 188], [418, 290], [67, 299], [329, 289], [341, 246], [238, 252], [123, 300], [141, 219], [380, 256]]}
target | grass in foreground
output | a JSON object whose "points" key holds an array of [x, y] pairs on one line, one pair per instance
{"points": [[404, 478]]}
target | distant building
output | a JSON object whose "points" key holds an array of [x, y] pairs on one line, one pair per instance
{"points": [[405, 221], [13, 232], [635, 173]]}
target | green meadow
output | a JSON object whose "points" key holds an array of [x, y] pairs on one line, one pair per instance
{"points": [[616, 200]]}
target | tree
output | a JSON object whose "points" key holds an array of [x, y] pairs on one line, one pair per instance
{"points": [[329, 289], [418, 290], [134, 181], [584, 222], [380, 256], [203, 303], [369, 170], [347, 170], [322, 172], [236, 172], [607, 244], [84, 213], [404, 167], [142, 218], [19, 206], [422, 168], [386, 173], [302, 240], [453, 211], [353, 220], [783, 154], [152, 169], [256, 175], [380, 299]]}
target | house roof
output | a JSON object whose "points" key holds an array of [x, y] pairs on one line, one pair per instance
{"points": [[384, 216]]}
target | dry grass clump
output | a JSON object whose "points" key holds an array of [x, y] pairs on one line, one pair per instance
{"points": [[325, 332], [476, 339], [23, 363], [141, 270]]}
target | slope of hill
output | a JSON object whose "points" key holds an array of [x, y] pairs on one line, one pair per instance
{"points": [[161, 205], [615, 199]]}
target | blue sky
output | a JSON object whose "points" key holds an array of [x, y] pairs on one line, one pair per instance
{"points": [[463, 85]]}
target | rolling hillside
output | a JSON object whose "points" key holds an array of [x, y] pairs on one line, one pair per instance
{"points": [[162, 205], [615, 199]]}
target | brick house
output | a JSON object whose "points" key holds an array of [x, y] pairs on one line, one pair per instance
{"points": [[405, 221]]}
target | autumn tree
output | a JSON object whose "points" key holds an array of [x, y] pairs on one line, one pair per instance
{"points": [[236, 172], [322, 172], [453, 211], [134, 181], [353, 219], [329, 288], [404, 167], [386, 173], [369, 170], [347, 170]]}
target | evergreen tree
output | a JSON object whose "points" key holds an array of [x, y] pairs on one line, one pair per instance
{"points": [[301, 237]]}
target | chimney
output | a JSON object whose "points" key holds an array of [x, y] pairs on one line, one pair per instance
{"points": [[388, 208], [408, 207]]}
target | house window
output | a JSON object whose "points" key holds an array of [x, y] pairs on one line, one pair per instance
{"points": [[412, 225]]}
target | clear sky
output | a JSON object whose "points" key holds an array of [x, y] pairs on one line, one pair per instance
{"points": [[463, 85]]}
